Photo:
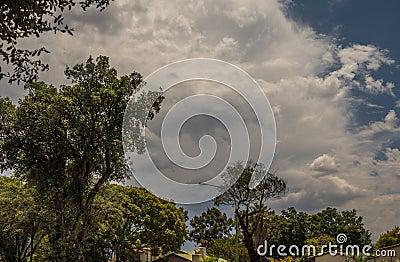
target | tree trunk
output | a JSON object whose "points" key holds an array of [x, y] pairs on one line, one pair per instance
{"points": [[31, 244], [250, 247], [248, 239]]}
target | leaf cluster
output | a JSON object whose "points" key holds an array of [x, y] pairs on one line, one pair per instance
{"points": [[211, 224], [23, 19]]}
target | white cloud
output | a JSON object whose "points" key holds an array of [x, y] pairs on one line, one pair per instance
{"points": [[325, 164], [311, 99], [376, 86], [243, 16], [389, 124], [367, 56], [362, 59], [393, 155], [228, 48]]}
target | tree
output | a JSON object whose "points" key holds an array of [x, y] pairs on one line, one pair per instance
{"points": [[22, 225], [391, 237], [288, 228], [211, 224], [23, 19], [331, 222], [66, 142], [319, 242], [225, 248], [250, 204], [299, 228], [296, 227], [128, 219]]}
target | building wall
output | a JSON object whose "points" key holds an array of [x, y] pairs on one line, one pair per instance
{"points": [[176, 259], [329, 258]]}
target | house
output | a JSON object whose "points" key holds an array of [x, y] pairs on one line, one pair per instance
{"points": [[186, 256], [180, 256], [146, 255], [327, 257]]}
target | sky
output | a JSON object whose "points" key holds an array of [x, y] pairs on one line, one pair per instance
{"points": [[330, 70]]}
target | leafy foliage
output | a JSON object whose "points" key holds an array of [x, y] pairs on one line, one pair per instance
{"points": [[128, 219], [250, 204], [22, 221], [211, 224], [210, 259], [125, 219], [391, 237], [225, 248], [320, 241], [288, 228], [66, 142], [258, 223], [299, 228], [23, 19], [332, 222]]}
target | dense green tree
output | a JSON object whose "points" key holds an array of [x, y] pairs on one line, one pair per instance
{"points": [[250, 204], [24, 19], [22, 221], [128, 219], [391, 237], [66, 142], [288, 228], [211, 224], [125, 219], [320, 241], [299, 228], [332, 222], [295, 228], [225, 248]]}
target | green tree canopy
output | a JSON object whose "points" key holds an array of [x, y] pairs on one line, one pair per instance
{"points": [[66, 142], [288, 228], [299, 228], [211, 224], [332, 222], [391, 237], [129, 218], [225, 248], [22, 221]]}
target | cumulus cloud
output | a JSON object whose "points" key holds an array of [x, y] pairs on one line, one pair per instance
{"points": [[364, 56], [307, 77], [361, 60], [389, 124], [325, 164]]}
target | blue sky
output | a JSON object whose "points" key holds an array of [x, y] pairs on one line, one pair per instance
{"points": [[330, 70], [362, 22]]}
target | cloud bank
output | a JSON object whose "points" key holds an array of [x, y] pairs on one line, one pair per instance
{"points": [[314, 85]]}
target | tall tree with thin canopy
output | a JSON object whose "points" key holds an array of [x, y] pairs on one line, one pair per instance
{"points": [[250, 204]]}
